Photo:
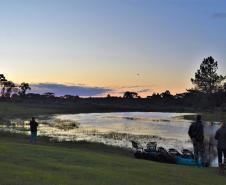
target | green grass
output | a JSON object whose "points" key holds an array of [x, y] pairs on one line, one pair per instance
{"points": [[21, 110], [10, 110], [209, 116], [49, 163]]}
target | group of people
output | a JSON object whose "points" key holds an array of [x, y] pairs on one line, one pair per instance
{"points": [[196, 133]]}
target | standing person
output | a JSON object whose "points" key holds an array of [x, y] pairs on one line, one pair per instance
{"points": [[33, 129], [221, 144], [196, 133], [210, 142]]}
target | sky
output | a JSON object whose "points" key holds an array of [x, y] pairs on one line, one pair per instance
{"points": [[96, 47]]}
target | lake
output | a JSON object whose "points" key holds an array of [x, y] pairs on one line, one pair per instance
{"points": [[168, 129]]}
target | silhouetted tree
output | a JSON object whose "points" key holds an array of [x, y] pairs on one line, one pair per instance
{"points": [[3, 83], [129, 94], [206, 78], [23, 88], [9, 86], [156, 96], [166, 94]]}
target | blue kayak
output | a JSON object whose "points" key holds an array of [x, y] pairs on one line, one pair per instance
{"points": [[188, 162], [160, 154]]}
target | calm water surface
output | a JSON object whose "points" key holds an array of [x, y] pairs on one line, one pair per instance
{"points": [[168, 129]]}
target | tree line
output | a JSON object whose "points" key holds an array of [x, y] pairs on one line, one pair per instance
{"points": [[208, 92], [206, 80], [8, 87]]}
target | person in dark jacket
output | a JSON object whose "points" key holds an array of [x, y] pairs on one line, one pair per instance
{"points": [[221, 144], [196, 133], [33, 129]]}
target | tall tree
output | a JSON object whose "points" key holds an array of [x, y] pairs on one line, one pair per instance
{"points": [[206, 78], [23, 88]]}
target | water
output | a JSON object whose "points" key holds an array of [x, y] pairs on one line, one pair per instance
{"points": [[169, 130]]}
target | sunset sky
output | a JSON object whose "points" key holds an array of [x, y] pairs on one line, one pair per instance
{"points": [[95, 47]]}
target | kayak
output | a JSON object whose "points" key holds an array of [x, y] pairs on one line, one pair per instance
{"points": [[188, 162], [171, 156]]}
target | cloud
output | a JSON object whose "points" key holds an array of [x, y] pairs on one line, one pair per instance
{"points": [[219, 15], [144, 90], [130, 86], [62, 89], [86, 91]]}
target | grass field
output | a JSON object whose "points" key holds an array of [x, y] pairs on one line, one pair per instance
{"points": [[20, 110], [49, 163]]}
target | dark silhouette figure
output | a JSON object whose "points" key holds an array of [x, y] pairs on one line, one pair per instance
{"points": [[221, 145], [196, 133], [33, 129]]}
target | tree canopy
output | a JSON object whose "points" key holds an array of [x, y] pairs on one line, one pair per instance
{"points": [[9, 87], [206, 78], [130, 95]]}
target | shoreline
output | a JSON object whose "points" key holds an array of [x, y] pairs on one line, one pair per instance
{"points": [[48, 141]]}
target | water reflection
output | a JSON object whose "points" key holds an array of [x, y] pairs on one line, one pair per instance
{"points": [[99, 127]]}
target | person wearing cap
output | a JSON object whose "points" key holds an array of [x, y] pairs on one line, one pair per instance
{"points": [[33, 129], [196, 133], [221, 143]]}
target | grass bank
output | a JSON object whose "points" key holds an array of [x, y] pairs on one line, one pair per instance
{"points": [[27, 109], [209, 116], [49, 163]]}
